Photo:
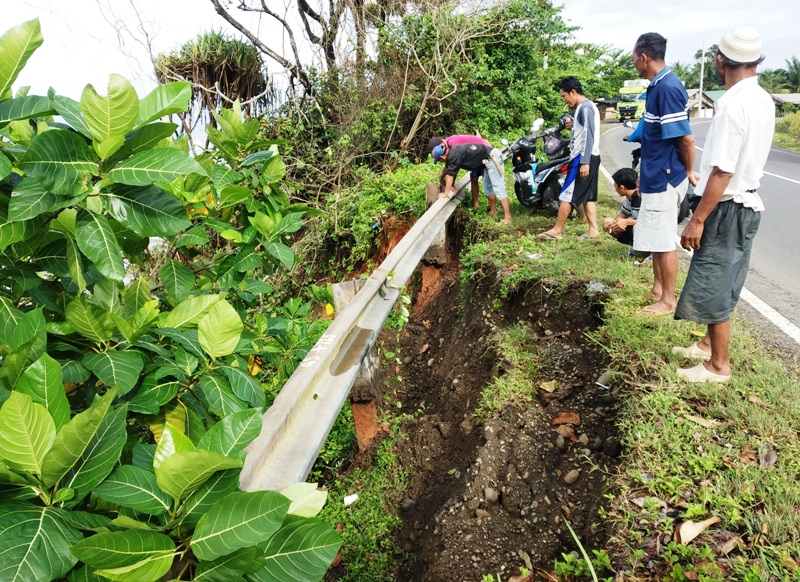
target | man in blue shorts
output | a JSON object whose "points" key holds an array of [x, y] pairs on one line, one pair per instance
{"points": [[666, 168], [473, 153], [726, 220]]}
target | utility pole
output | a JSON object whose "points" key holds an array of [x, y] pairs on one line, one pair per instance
{"points": [[702, 71]]}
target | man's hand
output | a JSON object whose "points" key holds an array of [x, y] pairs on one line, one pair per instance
{"points": [[694, 177], [690, 238], [584, 171]]}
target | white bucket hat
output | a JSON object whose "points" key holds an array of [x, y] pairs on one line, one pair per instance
{"points": [[741, 44]]}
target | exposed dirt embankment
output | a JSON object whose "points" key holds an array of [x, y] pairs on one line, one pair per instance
{"points": [[488, 498]]}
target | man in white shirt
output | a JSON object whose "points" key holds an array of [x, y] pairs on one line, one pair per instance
{"points": [[726, 220]]}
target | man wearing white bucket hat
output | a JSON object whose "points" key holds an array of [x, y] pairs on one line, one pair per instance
{"points": [[726, 220]]}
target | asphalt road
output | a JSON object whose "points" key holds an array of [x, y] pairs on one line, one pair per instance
{"points": [[774, 275]]}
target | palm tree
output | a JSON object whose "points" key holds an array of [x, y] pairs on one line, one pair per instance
{"points": [[793, 74], [773, 81]]}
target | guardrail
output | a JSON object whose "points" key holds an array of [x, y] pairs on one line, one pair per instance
{"points": [[301, 417]]}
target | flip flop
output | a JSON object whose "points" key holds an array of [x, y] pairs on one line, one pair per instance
{"points": [[693, 352], [547, 236], [650, 312], [699, 373], [586, 236]]}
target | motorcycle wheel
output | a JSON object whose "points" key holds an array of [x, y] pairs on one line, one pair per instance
{"points": [[526, 201], [549, 199]]}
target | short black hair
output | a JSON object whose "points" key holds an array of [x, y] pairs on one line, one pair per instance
{"points": [[626, 177], [434, 141], [569, 84], [731, 64], [651, 44]]}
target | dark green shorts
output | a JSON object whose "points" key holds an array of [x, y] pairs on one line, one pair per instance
{"points": [[719, 267]]}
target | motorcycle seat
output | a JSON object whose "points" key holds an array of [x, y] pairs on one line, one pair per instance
{"points": [[550, 164]]}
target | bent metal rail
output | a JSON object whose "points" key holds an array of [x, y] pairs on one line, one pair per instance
{"points": [[301, 417]]}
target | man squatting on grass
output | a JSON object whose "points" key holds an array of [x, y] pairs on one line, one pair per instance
{"points": [[580, 187], [666, 168], [621, 226], [726, 220], [473, 153]]}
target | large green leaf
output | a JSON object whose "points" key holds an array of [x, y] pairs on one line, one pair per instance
{"points": [[5, 167], [89, 320], [14, 232], [155, 165], [228, 568], [16, 47], [194, 236], [307, 499], [151, 569], [97, 241], [27, 435], [70, 110], [178, 280], [75, 265], [215, 488], [218, 397], [219, 329], [34, 543], [25, 108], [245, 386], [60, 159], [274, 170], [10, 318], [233, 433], [147, 211], [164, 100], [189, 311], [222, 176], [302, 550], [233, 195], [149, 136], [124, 548], [289, 224], [281, 252], [74, 438], [184, 472], [42, 381], [172, 441], [136, 488], [239, 520], [258, 158], [100, 456], [110, 118], [116, 368]]}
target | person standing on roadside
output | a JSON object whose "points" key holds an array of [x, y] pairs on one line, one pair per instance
{"points": [[666, 168], [726, 220], [580, 187], [473, 153]]}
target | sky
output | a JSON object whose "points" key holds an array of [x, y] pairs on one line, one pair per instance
{"points": [[86, 40]]}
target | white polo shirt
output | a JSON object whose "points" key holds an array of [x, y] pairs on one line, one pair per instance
{"points": [[739, 141]]}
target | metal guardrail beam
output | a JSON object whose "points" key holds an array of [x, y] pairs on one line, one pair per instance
{"points": [[301, 417]]}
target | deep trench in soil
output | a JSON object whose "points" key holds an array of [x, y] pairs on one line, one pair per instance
{"points": [[489, 497]]}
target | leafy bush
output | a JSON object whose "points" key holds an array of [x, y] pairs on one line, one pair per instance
{"points": [[789, 124], [128, 384]]}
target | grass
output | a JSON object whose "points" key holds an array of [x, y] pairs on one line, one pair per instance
{"points": [[695, 451], [786, 140]]}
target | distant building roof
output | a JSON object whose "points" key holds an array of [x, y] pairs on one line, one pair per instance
{"points": [[781, 98], [715, 94]]}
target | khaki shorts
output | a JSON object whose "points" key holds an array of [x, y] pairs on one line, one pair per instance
{"points": [[657, 223]]}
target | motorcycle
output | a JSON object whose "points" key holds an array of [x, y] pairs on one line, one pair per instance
{"points": [[537, 181]]}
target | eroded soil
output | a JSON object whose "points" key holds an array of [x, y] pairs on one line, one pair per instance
{"points": [[489, 498]]}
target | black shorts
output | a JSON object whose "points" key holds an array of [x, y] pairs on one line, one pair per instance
{"points": [[626, 236], [578, 191]]}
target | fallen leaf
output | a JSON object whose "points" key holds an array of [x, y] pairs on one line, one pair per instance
{"points": [[562, 392], [567, 432], [757, 400], [688, 530], [423, 349], [336, 560], [696, 333], [730, 463], [513, 267], [528, 578], [519, 251], [567, 418], [550, 386], [690, 575], [767, 457], [728, 546], [748, 454], [426, 323], [704, 422], [790, 562]]}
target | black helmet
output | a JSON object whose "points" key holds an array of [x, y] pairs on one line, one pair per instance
{"points": [[562, 121]]}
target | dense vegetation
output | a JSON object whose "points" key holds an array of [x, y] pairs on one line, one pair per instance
{"points": [[139, 342]]}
